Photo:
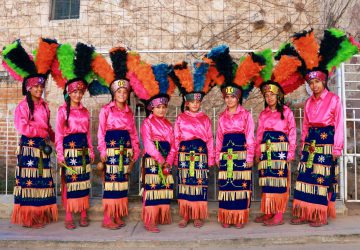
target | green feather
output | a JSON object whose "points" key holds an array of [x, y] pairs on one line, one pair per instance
{"points": [[12, 65], [346, 51], [66, 56], [336, 32], [282, 46], [267, 70]]}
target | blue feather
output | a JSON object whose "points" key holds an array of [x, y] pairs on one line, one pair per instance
{"points": [[217, 51], [200, 70], [161, 72], [96, 88]]}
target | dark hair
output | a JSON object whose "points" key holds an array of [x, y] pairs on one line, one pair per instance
{"points": [[30, 103], [68, 106]]}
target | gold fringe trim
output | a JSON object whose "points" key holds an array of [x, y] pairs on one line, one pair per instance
{"points": [[34, 173], [114, 169], [327, 149], [17, 171], [273, 181], [37, 192], [116, 151], [202, 157], [199, 173], [154, 178], [311, 188], [190, 190], [276, 147], [116, 186], [275, 164], [239, 155], [149, 162], [159, 194], [34, 152], [237, 175], [17, 191], [75, 186], [74, 152], [318, 169], [234, 195]]}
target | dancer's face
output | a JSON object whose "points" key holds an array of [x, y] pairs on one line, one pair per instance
{"points": [[160, 110], [316, 86], [37, 91], [231, 101], [270, 99], [76, 96], [121, 95], [194, 106]]}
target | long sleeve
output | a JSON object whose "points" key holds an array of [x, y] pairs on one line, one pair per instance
{"points": [[177, 137], [148, 143], [134, 139], [250, 142], [23, 124], [101, 132], [59, 135], [210, 143], [172, 153], [259, 135], [339, 129], [292, 136], [305, 127], [219, 141], [88, 136]]}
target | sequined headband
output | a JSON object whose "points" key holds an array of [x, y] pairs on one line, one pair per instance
{"points": [[34, 81], [76, 85], [316, 75], [157, 101], [272, 88], [193, 97], [117, 84], [230, 90]]}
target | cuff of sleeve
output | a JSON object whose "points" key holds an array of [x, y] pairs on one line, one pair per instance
{"points": [[103, 154], [291, 156], [249, 158], [336, 151], [60, 158]]}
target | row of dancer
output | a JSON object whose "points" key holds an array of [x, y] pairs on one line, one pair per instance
{"points": [[189, 146]]}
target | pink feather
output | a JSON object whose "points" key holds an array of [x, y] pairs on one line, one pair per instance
{"points": [[137, 86], [12, 72]]}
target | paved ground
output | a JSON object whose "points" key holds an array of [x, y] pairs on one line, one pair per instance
{"points": [[345, 230]]}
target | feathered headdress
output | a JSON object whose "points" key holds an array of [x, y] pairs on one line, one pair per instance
{"points": [[151, 83], [239, 79], [285, 77], [321, 60], [192, 84], [31, 70], [73, 69]]}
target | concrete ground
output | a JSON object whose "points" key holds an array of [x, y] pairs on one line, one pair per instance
{"points": [[345, 230]]}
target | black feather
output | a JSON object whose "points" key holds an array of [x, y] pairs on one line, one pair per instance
{"points": [[329, 47], [83, 59], [118, 58], [224, 65], [21, 59], [175, 79], [301, 34]]}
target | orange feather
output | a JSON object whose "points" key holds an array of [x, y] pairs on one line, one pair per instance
{"points": [[184, 75], [308, 48], [102, 68], [45, 56], [247, 71]]}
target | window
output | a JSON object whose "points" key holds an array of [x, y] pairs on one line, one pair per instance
{"points": [[65, 9]]}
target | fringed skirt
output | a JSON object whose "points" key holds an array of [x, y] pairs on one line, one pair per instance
{"points": [[119, 150], [234, 181], [316, 185], [34, 192], [158, 189], [76, 178], [193, 179], [274, 172]]}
